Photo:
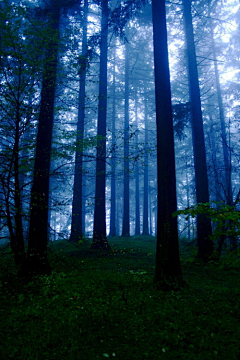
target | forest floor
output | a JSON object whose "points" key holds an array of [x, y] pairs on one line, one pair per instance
{"points": [[104, 305]]}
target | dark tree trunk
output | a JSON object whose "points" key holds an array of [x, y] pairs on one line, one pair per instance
{"points": [[126, 194], [19, 250], [145, 180], [113, 159], [118, 211], [188, 201], [15, 226], [37, 262], [99, 227], [204, 230], [226, 157], [137, 192], [225, 147], [168, 273], [7, 199], [150, 215], [84, 206], [77, 231], [214, 159]]}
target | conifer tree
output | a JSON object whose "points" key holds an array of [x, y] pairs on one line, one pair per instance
{"points": [[77, 230], [99, 227], [37, 261], [204, 230], [168, 273], [126, 178]]}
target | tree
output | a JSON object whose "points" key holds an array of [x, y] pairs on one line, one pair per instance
{"points": [[204, 230], [137, 193], [145, 186], [126, 179], [99, 228], [77, 231], [20, 68], [113, 157], [37, 261], [12, 126], [168, 273], [226, 156]]}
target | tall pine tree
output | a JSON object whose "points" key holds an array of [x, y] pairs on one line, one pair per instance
{"points": [[99, 227], [168, 273], [204, 230]]}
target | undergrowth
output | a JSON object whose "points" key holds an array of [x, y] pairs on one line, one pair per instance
{"points": [[104, 305]]}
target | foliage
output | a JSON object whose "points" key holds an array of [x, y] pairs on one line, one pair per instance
{"points": [[95, 307], [23, 39], [181, 118], [123, 13], [65, 144], [225, 217]]}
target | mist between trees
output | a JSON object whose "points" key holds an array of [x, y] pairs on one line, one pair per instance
{"points": [[114, 115]]}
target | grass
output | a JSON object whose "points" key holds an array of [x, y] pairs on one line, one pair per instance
{"points": [[97, 306]]}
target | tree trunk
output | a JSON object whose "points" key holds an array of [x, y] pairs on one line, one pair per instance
{"points": [[137, 192], [99, 227], [126, 194], [19, 250], [168, 273], [77, 231], [84, 206], [150, 215], [225, 147], [204, 230], [145, 180], [113, 159], [37, 262], [226, 157]]}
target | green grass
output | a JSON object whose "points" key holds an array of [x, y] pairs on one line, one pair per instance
{"points": [[104, 305]]}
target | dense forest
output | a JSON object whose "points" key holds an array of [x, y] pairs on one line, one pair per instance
{"points": [[119, 144]]}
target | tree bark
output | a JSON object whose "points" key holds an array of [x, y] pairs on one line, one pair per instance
{"points": [[204, 230], [145, 180], [37, 261], [226, 157], [126, 193], [19, 249], [99, 227], [137, 192], [168, 273], [225, 147], [113, 158], [77, 231]]}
